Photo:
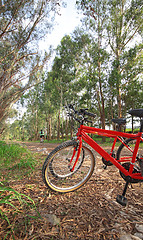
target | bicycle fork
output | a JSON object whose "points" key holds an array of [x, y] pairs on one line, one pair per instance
{"points": [[77, 148]]}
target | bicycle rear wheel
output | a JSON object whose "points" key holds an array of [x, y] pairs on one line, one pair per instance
{"points": [[56, 172], [125, 151], [125, 154]]}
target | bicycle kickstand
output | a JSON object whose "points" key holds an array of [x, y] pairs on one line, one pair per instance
{"points": [[121, 198]]}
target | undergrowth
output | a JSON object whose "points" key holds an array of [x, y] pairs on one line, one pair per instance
{"points": [[15, 162]]}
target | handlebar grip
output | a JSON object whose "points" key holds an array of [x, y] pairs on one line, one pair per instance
{"points": [[86, 120], [90, 114]]}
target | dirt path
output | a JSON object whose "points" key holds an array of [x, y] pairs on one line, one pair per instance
{"points": [[40, 147], [90, 213]]}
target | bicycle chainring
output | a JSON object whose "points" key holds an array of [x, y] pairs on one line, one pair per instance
{"points": [[108, 163], [135, 170]]}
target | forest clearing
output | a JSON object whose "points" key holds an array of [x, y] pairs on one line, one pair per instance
{"points": [[96, 66]]}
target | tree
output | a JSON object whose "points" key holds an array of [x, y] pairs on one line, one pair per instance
{"points": [[117, 24], [22, 24], [49, 103], [96, 12], [124, 25]]}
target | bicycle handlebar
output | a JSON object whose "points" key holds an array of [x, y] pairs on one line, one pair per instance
{"points": [[87, 113], [82, 112]]}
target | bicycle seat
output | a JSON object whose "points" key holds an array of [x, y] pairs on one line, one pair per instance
{"points": [[119, 121], [136, 112]]}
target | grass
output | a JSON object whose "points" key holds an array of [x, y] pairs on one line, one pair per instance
{"points": [[15, 162], [15, 156], [12, 202]]}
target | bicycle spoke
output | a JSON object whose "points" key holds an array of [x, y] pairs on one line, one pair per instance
{"points": [[57, 172]]}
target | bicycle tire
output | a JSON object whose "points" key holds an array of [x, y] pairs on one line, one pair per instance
{"points": [[125, 155], [59, 178]]}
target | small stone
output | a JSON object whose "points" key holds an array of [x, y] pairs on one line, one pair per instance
{"points": [[138, 235], [139, 227], [52, 219], [125, 237]]}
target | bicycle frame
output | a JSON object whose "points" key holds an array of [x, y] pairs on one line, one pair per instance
{"points": [[82, 135]]}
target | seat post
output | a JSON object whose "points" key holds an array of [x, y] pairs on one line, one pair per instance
{"points": [[132, 124], [141, 127]]}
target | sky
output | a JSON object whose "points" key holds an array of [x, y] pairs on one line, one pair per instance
{"points": [[66, 23]]}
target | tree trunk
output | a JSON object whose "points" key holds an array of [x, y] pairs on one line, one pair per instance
{"points": [[1, 130], [102, 110], [119, 103], [49, 128], [62, 128], [36, 125], [66, 128], [71, 128], [58, 126]]}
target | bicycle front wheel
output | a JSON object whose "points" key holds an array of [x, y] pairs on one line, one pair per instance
{"points": [[56, 172]]}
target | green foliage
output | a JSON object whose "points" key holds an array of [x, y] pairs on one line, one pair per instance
{"points": [[14, 161]]}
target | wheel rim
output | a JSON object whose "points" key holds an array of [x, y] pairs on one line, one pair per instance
{"points": [[61, 178]]}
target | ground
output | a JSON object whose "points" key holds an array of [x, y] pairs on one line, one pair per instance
{"points": [[88, 213]]}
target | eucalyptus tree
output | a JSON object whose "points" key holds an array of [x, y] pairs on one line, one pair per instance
{"points": [[124, 29], [62, 75], [132, 78], [33, 118], [49, 104], [118, 26], [96, 12], [60, 85], [22, 24], [77, 68]]}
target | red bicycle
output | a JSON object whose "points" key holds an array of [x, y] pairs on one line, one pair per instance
{"points": [[71, 164]]}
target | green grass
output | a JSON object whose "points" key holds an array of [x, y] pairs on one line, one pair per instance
{"points": [[14, 155], [13, 202], [15, 163]]}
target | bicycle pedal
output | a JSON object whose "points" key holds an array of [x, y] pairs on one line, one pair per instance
{"points": [[105, 166], [68, 159], [121, 200]]}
